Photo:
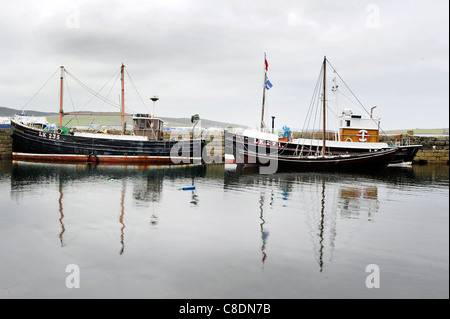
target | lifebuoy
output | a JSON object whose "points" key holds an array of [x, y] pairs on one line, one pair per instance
{"points": [[363, 136]]}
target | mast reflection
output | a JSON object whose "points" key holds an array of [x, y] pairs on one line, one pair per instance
{"points": [[61, 213], [322, 226], [264, 233], [122, 234], [350, 203], [147, 185]]}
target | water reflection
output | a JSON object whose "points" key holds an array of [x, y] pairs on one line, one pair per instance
{"points": [[264, 232], [322, 198], [396, 176], [122, 235], [147, 183], [356, 200], [62, 214], [332, 205]]}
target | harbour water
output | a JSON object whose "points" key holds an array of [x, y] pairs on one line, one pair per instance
{"points": [[132, 232]]}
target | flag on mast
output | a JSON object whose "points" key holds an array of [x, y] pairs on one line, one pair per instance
{"points": [[268, 84], [267, 64]]}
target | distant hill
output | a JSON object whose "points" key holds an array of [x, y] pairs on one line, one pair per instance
{"points": [[114, 120], [7, 112]]}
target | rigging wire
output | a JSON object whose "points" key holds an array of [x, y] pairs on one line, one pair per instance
{"points": [[313, 106], [335, 71], [137, 92], [315, 110], [349, 99], [39, 89], [90, 90], [116, 74], [96, 94], [312, 102], [73, 106]]}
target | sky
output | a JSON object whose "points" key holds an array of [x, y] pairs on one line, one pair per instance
{"points": [[206, 57]]}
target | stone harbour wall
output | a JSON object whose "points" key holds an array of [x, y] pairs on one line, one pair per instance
{"points": [[435, 149], [5, 143]]}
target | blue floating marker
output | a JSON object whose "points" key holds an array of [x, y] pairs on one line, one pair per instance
{"points": [[188, 188]]}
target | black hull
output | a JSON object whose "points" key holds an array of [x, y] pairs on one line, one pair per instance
{"points": [[34, 144], [405, 154], [361, 162], [235, 142]]}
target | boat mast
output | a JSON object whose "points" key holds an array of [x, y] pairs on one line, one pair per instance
{"points": [[122, 110], [61, 112], [264, 92], [324, 103], [335, 91]]}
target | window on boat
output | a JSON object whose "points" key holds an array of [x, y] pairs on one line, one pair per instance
{"points": [[347, 123], [142, 124]]}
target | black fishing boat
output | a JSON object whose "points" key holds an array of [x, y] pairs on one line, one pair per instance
{"points": [[146, 145], [355, 135], [261, 149], [309, 147]]}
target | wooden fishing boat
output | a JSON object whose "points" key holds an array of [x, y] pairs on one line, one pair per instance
{"points": [[355, 135], [41, 142], [262, 148]]}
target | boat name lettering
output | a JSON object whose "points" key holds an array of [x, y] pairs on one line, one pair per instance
{"points": [[50, 136], [267, 143]]}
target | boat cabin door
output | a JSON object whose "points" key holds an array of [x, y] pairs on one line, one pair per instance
{"points": [[145, 125]]}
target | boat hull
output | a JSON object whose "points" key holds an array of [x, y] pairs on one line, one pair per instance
{"points": [[33, 144], [234, 142], [405, 154], [366, 161]]}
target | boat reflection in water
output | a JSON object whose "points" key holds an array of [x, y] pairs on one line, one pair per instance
{"points": [[135, 232], [332, 210], [325, 200], [147, 182], [356, 200], [356, 203]]}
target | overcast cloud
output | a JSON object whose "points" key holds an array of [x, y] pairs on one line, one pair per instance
{"points": [[207, 56]]}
